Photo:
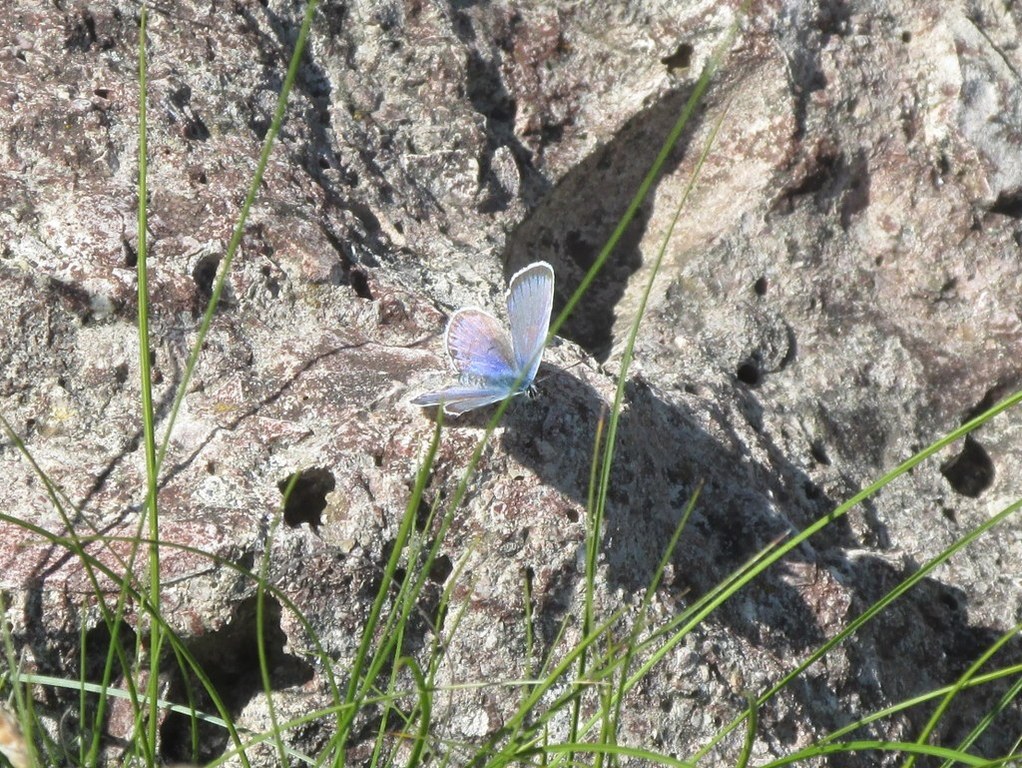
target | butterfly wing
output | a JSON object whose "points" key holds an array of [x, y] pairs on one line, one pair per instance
{"points": [[488, 361], [530, 299], [465, 397], [479, 347], [481, 351]]}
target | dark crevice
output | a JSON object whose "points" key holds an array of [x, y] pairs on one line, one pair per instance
{"points": [[749, 373], [1004, 387], [229, 657], [181, 112], [440, 569], [680, 60], [971, 472], [1008, 204], [819, 453], [204, 274], [423, 515], [834, 19], [130, 254], [72, 297], [82, 35], [832, 179], [824, 169], [98, 642], [485, 89], [350, 272], [856, 190], [97, 648], [307, 500]]}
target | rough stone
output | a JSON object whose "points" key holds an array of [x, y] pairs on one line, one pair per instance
{"points": [[841, 289]]}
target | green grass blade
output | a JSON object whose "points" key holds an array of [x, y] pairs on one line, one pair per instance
{"points": [[239, 228], [264, 664], [916, 701], [819, 752], [363, 670], [969, 674], [150, 509], [1009, 696], [872, 612], [752, 721]]}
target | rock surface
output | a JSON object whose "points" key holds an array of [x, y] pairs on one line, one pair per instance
{"points": [[841, 290]]}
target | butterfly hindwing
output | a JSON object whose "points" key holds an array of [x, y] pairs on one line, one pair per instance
{"points": [[530, 299], [479, 346], [459, 399]]}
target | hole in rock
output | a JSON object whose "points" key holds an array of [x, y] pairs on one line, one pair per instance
{"points": [[204, 274], [1000, 390], [130, 254], [1008, 204], [98, 641], [181, 96], [484, 86], [856, 190], [355, 275], [819, 453], [96, 649], [822, 172], [360, 284], [194, 129], [422, 515], [229, 657], [259, 126], [440, 569], [72, 297], [970, 472], [761, 286], [82, 34], [307, 499], [681, 59], [748, 373]]}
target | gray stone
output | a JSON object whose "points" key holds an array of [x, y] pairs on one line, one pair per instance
{"points": [[841, 290]]}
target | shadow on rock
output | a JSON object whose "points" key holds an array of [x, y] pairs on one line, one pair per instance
{"points": [[581, 213], [663, 455]]}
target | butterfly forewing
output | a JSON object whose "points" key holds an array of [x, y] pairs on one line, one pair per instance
{"points": [[479, 346], [530, 299]]}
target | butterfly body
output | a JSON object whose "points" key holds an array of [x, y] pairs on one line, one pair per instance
{"points": [[493, 364]]}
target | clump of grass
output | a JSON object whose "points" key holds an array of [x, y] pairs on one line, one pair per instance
{"points": [[568, 711]]}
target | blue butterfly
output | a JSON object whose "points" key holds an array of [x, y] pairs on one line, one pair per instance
{"points": [[491, 364]]}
